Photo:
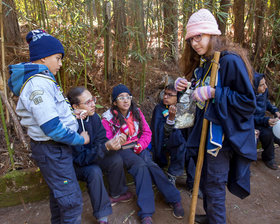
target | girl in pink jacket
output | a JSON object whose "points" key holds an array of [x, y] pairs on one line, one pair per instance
{"points": [[125, 117]]}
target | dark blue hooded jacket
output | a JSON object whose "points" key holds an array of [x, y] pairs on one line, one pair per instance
{"points": [[263, 104], [232, 108], [175, 139]]}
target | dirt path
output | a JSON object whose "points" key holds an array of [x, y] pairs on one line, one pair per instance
{"points": [[261, 207]]}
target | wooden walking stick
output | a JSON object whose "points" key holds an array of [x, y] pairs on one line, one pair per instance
{"points": [[202, 144]]}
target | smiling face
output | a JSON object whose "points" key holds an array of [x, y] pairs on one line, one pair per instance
{"points": [[123, 102], [86, 102], [53, 62], [201, 45]]}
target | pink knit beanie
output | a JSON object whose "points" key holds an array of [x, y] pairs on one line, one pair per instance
{"points": [[202, 22]]}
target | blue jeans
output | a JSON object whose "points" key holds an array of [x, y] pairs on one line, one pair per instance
{"points": [[213, 183], [56, 165], [99, 198]]}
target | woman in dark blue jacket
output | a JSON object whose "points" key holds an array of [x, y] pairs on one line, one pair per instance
{"points": [[99, 153], [230, 143], [264, 123]]}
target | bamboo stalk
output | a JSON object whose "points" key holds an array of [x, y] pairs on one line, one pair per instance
{"points": [[6, 134], [18, 128], [202, 144]]}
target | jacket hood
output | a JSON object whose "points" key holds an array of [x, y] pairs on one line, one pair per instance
{"points": [[20, 73], [257, 78]]}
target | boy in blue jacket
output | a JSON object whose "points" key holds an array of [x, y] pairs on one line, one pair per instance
{"points": [[167, 139], [264, 123], [50, 123]]}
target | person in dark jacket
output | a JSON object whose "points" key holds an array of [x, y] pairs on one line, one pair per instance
{"points": [[167, 139], [230, 145], [265, 123], [99, 153]]}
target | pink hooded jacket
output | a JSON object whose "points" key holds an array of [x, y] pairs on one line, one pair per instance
{"points": [[113, 129]]}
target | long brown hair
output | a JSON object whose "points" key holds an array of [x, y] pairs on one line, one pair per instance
{"points": [[190, 59]]}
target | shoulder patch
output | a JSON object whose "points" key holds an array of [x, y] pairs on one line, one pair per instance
{"points": [[36, 93]]}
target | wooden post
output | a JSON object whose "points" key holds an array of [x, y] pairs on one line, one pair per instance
{"points": [[202, 144]]}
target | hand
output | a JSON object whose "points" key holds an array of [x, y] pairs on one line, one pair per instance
{"points": [[277, 114], [113, 144], [172, 112], [85, 135], [181, 84], [138, 148], [272, 121], [122, 138], [81, 114], [257, 133], [203, 93]]}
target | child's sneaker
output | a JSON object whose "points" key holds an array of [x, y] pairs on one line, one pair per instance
{"points": [[178, 210], [126, 197], [147, 220], [171, 178]]}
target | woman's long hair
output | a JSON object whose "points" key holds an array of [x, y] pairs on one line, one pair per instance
{"points": [[119, 118], [190, 59]]}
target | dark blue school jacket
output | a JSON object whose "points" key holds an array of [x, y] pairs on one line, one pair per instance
{"points": [[263, 104], [175, 140], [232, 108], [95, 150]]}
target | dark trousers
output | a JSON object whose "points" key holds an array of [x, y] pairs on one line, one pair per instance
{"points": [[267, 140], [213, 183], [112, 166], [99, 198], [177, 159], [56, 165], [144, 170]]}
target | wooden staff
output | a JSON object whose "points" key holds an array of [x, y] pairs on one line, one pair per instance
{"points": [[202, 144]]}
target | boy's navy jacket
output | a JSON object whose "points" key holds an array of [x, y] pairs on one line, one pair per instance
{"points": [[263, 104], [175, 139], [232, 108], [95, 150]]}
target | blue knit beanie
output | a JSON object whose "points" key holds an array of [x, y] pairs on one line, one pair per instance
{"points": [[42, 44], [117, 90]]}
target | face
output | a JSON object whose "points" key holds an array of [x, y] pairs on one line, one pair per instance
{"points": [[87, 102], [262, 86], [53, 62], [200, 43], [169, 97], [123, 102]]}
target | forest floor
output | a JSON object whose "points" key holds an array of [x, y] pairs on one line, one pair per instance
{"points": [[261, 207]]}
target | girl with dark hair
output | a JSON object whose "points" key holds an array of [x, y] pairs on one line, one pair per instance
{"points": [[230, 147], [124, 117], [99, 153]]}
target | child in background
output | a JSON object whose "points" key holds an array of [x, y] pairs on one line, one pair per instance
{"points": [[125, 117], [231, 147], [50, 124], [166, 138], [98, 153], [264, 123]]}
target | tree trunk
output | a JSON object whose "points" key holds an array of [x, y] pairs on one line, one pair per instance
{"points": [[238, 10], [120, 43], [11, 27], [224, 7], [261, 6], [170, 14]]}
